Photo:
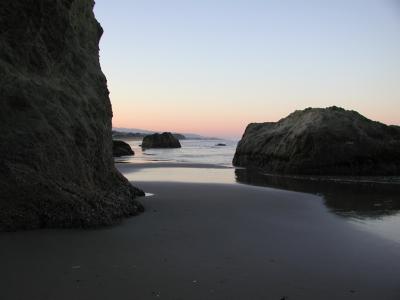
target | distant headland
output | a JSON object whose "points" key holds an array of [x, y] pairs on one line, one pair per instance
{"points": [[136, 133]]}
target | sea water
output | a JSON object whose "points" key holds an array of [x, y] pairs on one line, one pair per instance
{"points": [[192, 152]]}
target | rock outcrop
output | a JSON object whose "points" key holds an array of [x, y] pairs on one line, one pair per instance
{"points": [[317, 141], [120, 148], [163, 140], [56, 160]]}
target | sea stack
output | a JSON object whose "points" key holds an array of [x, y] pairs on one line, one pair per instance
{"points": [[56, 161], [164, 140], [120, 148], [317, 141]]}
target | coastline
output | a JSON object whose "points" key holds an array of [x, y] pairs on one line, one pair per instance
{"points": [[206, 241], [89, 211]]}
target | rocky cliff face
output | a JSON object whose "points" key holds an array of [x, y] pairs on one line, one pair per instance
{"points": [[56, 159], [330, 141]]}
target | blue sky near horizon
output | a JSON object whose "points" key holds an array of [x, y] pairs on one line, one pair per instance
{"points": [[212, 67]]}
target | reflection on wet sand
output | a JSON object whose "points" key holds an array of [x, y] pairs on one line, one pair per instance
{"points": [[361, 200]]}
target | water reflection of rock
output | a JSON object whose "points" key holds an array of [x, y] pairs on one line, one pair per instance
{"points": [[356, 200]]}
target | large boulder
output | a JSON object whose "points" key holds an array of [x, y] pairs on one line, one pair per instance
{"points": [[56, 162], [318, 141], [120, 148], [164, 140]]}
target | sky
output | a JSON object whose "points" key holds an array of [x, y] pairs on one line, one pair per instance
{"points": [[213, 66]]}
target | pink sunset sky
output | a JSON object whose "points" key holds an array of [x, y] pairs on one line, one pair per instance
{"points": [[212, 67]]}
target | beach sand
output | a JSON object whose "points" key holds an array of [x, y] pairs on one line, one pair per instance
{"points": [[206, 241]]}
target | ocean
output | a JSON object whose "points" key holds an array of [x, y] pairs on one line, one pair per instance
{"points": [[192, 152]]}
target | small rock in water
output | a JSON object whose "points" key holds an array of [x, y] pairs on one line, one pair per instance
{"points": [[120, 148], [164, 140]]}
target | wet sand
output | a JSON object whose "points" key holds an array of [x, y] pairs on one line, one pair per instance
{"points": [[206, 241]]}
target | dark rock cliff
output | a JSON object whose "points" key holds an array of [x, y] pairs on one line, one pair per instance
{"points": [[317, 141], [56, 159]]}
